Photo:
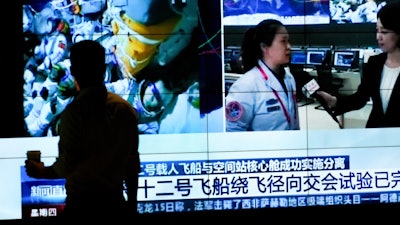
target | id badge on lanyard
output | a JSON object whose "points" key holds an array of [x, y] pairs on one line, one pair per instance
{"points": [[285, 111]]}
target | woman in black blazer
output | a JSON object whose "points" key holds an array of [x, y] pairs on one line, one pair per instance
{"points": [[381, 76]]}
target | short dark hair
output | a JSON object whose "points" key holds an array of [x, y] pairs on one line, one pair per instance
{"points": [[389, 16], [88, 63]]}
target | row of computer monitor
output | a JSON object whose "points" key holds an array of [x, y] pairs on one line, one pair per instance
{"points": [[339, 59]]}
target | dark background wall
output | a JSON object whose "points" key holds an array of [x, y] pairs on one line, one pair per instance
{"points": [[11, 64]]}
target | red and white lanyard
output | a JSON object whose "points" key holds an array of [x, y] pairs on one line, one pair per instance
{"points": [[285, 111]]}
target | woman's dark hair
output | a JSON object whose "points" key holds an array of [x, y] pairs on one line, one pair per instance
{"points": [[389, 16], [264, 32]]}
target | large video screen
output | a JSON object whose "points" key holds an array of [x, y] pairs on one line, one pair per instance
{"points": [[147, 52], [294, 12], [166, 57], [344, 11], [290, 12]]}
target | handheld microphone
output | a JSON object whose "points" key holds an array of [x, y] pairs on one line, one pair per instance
{"points": [[310, 90]]}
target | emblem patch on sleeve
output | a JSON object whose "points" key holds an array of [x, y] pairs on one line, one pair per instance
{"points": [[233, 111]]}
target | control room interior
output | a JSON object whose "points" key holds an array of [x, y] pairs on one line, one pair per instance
{"points": [[343, 67]]}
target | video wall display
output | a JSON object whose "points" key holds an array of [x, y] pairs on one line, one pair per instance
{"points": [[167, 60], [290, 12], [294, 12], [145, 54], [344, 11]]}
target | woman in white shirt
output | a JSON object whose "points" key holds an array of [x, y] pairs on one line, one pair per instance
{"points": [[264, 97]]}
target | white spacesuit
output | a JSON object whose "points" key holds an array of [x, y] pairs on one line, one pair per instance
{"points": [[147, 30], [257, 102], [45, 111], [148, 98], [52, 31], [365, 13], [150, 32], [135, 34]]}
